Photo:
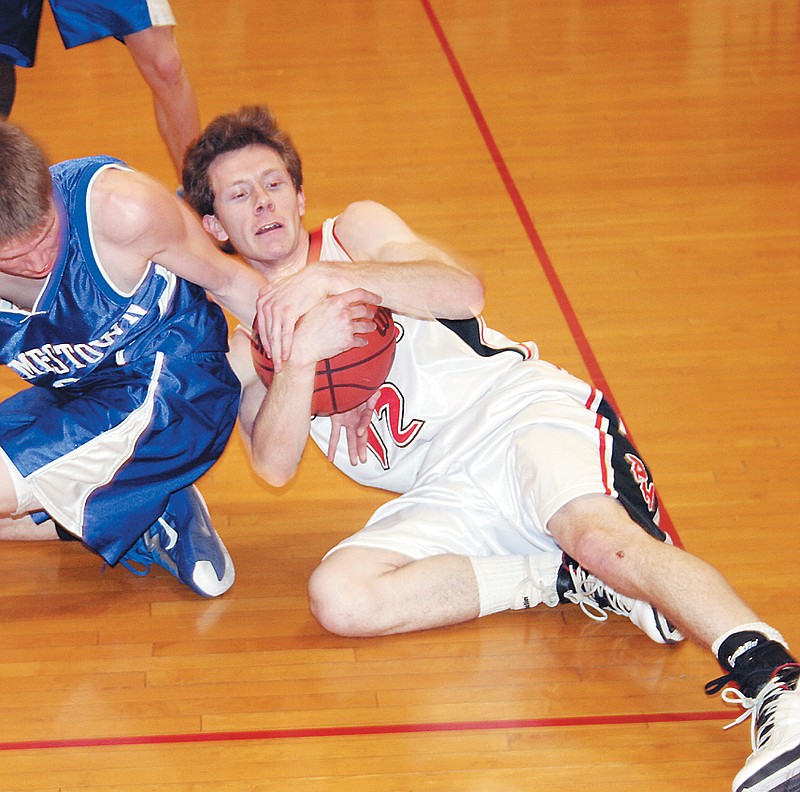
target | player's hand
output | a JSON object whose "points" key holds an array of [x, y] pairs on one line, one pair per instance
{"points": [[333, 326], [355, 423], [281, 305]]}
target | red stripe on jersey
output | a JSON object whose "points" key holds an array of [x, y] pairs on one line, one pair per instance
{"points": [[594, 400], [339, 241], [314, 245], [603, 450]]}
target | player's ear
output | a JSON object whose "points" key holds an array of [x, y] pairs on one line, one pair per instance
{"points": [[213, 226], [301, 201]]}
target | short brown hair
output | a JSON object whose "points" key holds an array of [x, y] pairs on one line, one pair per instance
{"points": [[252, 124], [26, 188]]}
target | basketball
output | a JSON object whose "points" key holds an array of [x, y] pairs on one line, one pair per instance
{"points": [[349, 378]]}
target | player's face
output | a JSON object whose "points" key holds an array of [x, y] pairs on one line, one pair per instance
{"points": [[256, 205], [32, 255]]}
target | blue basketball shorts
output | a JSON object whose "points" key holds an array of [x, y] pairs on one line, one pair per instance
{"points": [[78, 22], [103, 459]]}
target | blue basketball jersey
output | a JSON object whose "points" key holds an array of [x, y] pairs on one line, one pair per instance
{"points": [[132, 399], [82, 324]]}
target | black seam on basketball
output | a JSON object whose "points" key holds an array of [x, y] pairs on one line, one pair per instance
{"points": [[362, 361], [329, 384]]}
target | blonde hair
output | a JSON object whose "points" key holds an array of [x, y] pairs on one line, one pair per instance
{"points": [[26, 188]]}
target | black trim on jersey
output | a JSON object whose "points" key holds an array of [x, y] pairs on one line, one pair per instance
{"points": [[469, 331]]}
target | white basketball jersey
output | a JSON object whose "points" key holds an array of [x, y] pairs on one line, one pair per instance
{"points": [[438, 386]]}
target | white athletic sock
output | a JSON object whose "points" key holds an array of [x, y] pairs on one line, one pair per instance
{"points": [[516, 582]]}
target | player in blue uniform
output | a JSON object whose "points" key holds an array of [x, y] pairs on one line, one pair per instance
{"points": [[146, 27], [132, 398], [498, 456]]}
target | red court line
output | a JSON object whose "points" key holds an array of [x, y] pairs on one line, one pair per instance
{"points": [[375, 730], [573, 323], [567, 310]]}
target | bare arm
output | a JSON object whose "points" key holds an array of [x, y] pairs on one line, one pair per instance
{"points": [[136, 220], [411, 275], [275, 421]]}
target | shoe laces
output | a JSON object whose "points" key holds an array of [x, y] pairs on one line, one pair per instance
{"points": [[149, 549], [588, 590], [535, 588], [138, 554], [761, 709]]}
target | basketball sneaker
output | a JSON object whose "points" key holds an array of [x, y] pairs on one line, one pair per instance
{"points": [[774, 765], [597, 600], [184, 542]]}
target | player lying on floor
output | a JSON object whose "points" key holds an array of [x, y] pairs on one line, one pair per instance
{"points": [[517, 483], [132, 398]]}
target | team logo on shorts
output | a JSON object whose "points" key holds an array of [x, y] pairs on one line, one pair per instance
{"points": [[642, 477]]}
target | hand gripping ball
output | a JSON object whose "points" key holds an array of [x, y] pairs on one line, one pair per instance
{"points": [[349, 378]]}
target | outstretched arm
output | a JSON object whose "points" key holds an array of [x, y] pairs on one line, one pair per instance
{"points": [[411, 275], [135, 220]]}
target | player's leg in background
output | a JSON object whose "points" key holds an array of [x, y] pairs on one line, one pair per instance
{"points": [[8, 87], [155, 52], [23, 528]]}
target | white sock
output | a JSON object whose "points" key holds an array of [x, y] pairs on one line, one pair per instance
{"points": [[516, 582]]}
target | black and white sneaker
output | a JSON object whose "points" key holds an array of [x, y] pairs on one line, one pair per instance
{"points": [[774, 765], [597, 600]]}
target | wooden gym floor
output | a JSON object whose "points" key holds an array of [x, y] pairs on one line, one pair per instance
{"points": [[625, 176]]}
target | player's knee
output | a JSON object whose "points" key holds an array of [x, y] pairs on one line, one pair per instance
{"points": [[597, 532], [164, 69], [341, 602], [591, 548]]}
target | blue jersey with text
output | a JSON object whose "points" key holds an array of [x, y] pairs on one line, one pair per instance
{"points": [[81, 324]]}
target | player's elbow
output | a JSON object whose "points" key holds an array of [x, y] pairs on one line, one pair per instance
{"points": [[274, 477], [461, 297], [276, 474], [466, 298], [475, 295]]}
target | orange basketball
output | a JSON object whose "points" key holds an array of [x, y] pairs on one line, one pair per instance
{"points": [[349, 378]]}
